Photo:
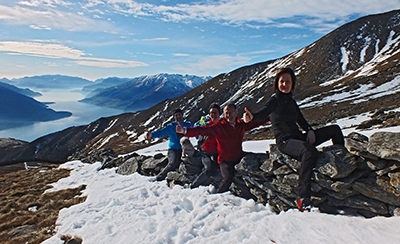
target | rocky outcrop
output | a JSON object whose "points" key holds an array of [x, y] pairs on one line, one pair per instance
{"points": [[362, 179]]}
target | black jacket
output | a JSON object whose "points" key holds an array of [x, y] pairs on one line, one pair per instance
{"points": [[285, 116]]}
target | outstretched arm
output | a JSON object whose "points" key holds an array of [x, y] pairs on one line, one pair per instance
{"points": [[148, 135], [263, 114]]}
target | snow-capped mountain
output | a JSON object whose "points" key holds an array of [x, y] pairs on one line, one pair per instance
{"points": [[143, 92], [353, 70]]}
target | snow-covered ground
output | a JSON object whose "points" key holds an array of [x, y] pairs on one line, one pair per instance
{"points": [[134, 209]]}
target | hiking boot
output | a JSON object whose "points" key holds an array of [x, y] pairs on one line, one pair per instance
{"points": [[303, 204], [160, 177]]}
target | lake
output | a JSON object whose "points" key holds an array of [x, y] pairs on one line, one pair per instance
{"points": [[62, 100]]}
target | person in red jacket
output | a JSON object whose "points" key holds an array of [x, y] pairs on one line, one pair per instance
{"points": [[207, 145], [229, 133]]}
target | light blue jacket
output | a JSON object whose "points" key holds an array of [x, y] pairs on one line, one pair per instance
{"points": [[170, 131]]}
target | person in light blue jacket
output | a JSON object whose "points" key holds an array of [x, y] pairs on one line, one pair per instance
{"points": [[174, 146]]}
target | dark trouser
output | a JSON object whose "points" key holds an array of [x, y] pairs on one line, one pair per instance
{"points": [[174, 160], [308, 154], [209, 163], [227, 172]]}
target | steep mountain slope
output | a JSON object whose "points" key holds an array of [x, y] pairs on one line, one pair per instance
{"points": [[354, 69], [17, 109], [145, 91]]}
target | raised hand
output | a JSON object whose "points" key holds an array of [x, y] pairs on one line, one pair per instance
{"points": [[247, 116], [148, 135], [180, 129]]}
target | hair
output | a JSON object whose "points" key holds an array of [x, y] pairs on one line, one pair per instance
{"points": [[232, 105], [215, 105], [280, 73], [178, 110]]}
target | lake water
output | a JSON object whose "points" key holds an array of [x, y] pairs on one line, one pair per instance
{"points": [[82, 113]]}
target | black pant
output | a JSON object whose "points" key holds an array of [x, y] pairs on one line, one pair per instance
{"points": [[174, 160], [209, 162], [308, 154], [227, 172]]}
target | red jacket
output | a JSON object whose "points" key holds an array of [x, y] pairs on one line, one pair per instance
{"points": [[210, 144], [229, 138]]}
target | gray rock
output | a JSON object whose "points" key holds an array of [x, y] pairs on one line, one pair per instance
{"points": [[268, 166], [276, 155], [357, 144], [152, 166], [130, 166], [336, 162], [370, 188], [251, 163], [361, 203], [395, 180], [385, 145]]}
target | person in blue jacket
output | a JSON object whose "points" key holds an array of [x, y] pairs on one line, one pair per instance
{"points": [[174, 146]]}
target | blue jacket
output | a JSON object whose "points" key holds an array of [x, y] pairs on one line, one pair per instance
{"points": [[170, 131]]}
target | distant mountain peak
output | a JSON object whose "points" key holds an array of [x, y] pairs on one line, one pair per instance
{"points": [[144, 91]]}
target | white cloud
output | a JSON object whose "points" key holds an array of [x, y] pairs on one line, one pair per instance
{"points": [[153, 54], [49, 3], [157, 39], [181, 54], [267, 12], [109, 63], [40, 49], [59, 51], [51, 18]]}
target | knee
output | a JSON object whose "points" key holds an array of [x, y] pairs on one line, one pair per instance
{"points": [[337, 129], [337, 137]]}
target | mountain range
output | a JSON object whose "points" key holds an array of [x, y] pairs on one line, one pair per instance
{"points": [[142, 92], [50, 82], [353, 70], [129, 94]]}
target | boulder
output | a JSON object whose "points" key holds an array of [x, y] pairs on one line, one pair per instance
{"points": [[385, 145]]}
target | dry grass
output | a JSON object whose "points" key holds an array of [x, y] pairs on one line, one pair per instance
{"points": [[27, 215]]}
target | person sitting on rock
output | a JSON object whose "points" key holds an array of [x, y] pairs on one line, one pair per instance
{"points": [[285, 117], [228, 133], [174, 146]]}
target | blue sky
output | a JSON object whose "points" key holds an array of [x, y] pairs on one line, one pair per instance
{"points": [[125, 38]]}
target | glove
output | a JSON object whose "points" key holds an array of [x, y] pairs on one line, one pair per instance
{"points": [[310, 137]]}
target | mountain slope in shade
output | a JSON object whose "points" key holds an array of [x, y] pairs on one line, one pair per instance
{"points": [[17, 109], [27, 92]]}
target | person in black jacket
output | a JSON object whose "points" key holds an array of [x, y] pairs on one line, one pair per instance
{"points": [[286, 117]]}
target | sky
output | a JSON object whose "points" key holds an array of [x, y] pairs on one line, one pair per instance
{"points": [[135, 209], [124, 38]]}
